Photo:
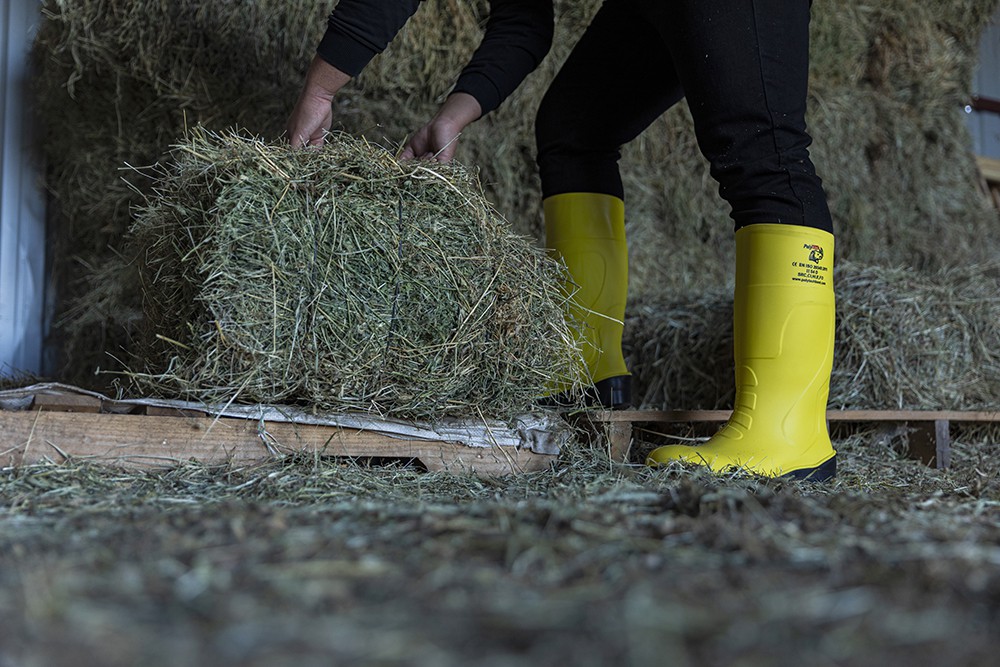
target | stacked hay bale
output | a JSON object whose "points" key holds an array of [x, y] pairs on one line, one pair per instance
{"points": [[120, 81], [117, 82], [343, 279], [888, 82], [904, 340]]}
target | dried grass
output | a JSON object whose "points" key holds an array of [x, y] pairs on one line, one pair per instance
{"points": [[904, 340], [343, 279], [316, 561]]}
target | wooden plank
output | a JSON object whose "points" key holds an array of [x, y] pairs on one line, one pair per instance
{"points": [[66, 402], [833, 415], [150, 440], [913, 415], [614, 436], [660, 415], [942, 443], [990, 168], [619, 435]]}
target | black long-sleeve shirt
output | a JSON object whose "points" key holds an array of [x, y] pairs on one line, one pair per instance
{"points": [[518, 35]]}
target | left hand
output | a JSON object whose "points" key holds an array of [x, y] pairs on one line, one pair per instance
{"points": [[438, 139]]}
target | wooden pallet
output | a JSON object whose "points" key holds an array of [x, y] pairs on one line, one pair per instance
{"points": [[989, 169], [60, 427], [929, 431]]}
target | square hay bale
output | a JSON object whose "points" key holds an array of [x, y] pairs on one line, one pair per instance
{"points": [[342, 279]]}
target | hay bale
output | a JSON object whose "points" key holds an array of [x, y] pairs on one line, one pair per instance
{"points": [[342, 279], [904, 340], [891, 139]]}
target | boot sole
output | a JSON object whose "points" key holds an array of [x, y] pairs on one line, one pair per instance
{"points": [[613, 393], [824, 472]]}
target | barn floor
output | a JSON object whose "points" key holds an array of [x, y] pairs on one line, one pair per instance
{"points": [[310, 562]]}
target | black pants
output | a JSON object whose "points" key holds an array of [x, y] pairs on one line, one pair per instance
{"points": [[743, 67]]}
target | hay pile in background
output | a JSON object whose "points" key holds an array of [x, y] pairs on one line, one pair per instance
{"points": [[888, 81], [891, 139], [343, 279], [118, 80], [888, 84], [904, 340]]}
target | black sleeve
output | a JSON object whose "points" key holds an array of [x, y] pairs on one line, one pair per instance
{"points": [[518, 35], [358, 30]]}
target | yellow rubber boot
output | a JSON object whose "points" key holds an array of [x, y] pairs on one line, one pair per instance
{"points": [[587, 231], [783, 329]]}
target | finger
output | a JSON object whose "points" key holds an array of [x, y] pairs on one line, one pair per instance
{"points": [[300, 138]]}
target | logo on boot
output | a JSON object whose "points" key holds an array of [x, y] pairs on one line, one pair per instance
{"points": [[815, 252], [812, 271]]}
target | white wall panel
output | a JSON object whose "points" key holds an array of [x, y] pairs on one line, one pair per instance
{"points": [[985, 126], [22, 215]]}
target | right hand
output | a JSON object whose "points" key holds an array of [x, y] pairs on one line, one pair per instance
{"points": [[313, 113]]}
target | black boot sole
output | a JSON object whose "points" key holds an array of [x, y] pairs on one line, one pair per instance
{"points": [[613, 393], [821, 473]]}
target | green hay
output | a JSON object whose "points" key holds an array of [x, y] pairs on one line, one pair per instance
{"points": [[343, 279], [904, 340]]}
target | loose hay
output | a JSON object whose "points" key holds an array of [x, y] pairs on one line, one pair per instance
{"points": [[343, 279], [322, 562], [904, 340]]}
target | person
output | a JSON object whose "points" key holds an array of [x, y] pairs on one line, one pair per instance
{"points": [[742, 65]]}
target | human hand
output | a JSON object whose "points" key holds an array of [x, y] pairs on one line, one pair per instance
{"points": [[313, 113], [439, 138]]}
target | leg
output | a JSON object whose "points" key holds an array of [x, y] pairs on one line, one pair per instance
{"points": [[744, 67], [743, 64], [599, 101], [602, 98]]}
